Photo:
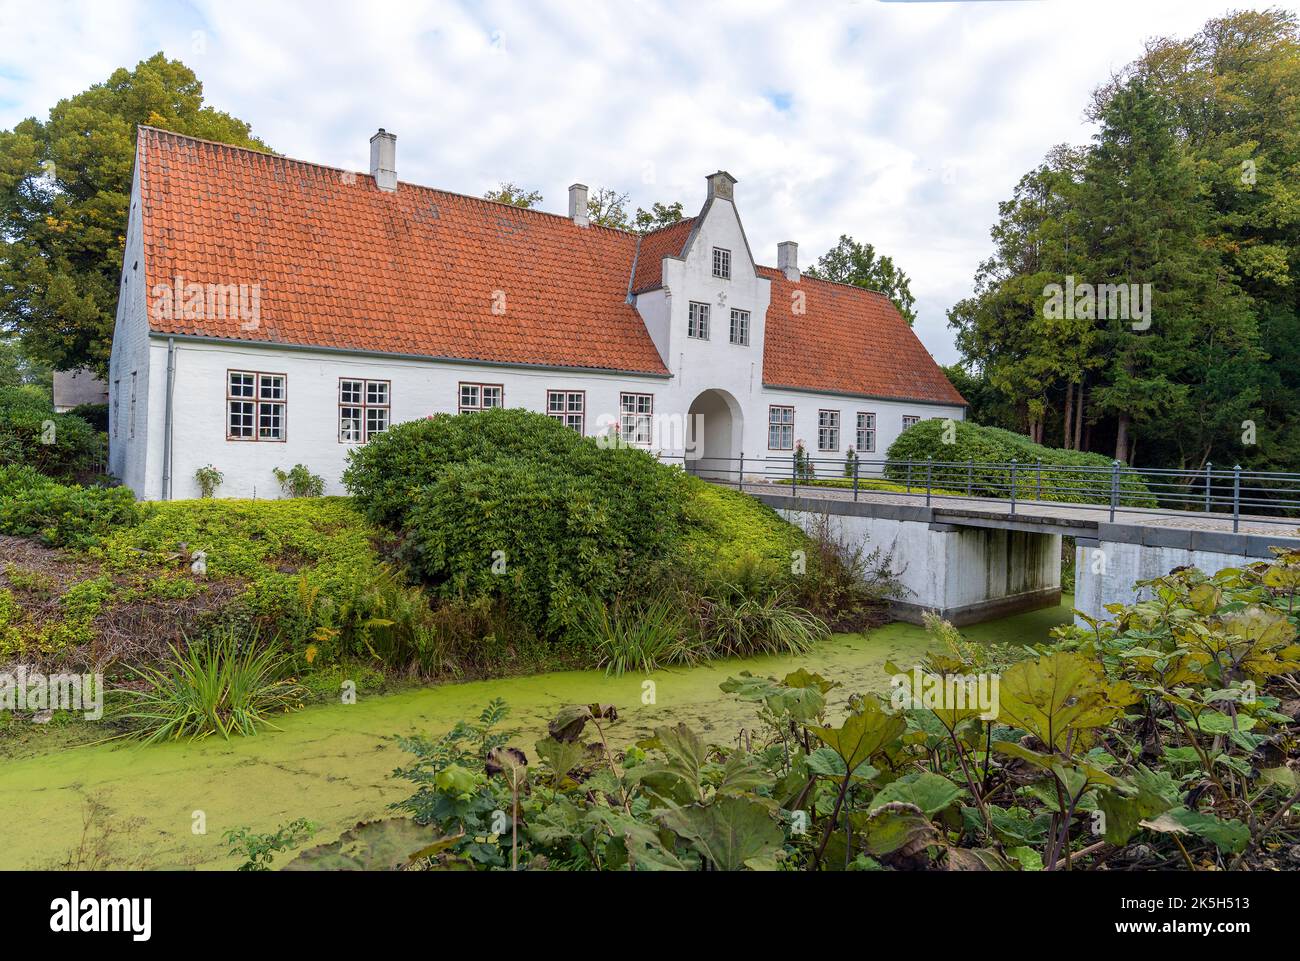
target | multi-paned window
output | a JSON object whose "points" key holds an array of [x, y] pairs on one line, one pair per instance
{"points": [[740, 327], [117, 404], [697, 321], [828, 430], [780, 428], [480, 397], [910, 420], [364, 409], [255, 405], [722, 263], [637, 410], [866, 433], [568, 407]]}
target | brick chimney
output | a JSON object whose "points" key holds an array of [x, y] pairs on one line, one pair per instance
{"points": [[578, 205], [383, 160], [787, 259]]}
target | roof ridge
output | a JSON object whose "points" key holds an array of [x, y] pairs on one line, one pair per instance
{"points": [[344, 170], [804, 275]]}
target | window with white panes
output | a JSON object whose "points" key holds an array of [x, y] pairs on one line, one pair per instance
{"points": [[722, 263], [255, 405], [480, 397], [780, 428], [637, 411], [740, 327], [569, 407], [697, 321], [364, 409], [910, 420], [828, 430], [866, 433]]}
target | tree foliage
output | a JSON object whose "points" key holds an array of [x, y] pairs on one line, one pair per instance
{"points": [[851, 262], [65, 186], [1188, 186]]}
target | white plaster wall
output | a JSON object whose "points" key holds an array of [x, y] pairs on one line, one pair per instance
{"points": [[418, 389], [889, 424], [1105, 574], [127, 455]]}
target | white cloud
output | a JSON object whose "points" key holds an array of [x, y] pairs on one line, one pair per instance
{"points": [[900, 123]]}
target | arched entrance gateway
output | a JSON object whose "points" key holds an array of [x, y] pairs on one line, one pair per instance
{"points": [[714, 435]]}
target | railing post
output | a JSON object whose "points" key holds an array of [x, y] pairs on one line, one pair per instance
{"points": [[929, 469], [794, 473], [909, 477], [1114, 488], [857, 465], [1040, 479], [1013, 486], [740, 478], [1236, 497], [970, 478], [1209, 483]]}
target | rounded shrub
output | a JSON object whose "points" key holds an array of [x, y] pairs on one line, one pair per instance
{"points": [[61, 446], [511, 505], [990, 450]]}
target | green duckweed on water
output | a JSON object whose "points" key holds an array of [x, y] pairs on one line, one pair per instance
{"points": [[331, 763]]}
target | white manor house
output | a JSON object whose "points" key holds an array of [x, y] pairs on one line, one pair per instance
{"points": [[276, 312]]}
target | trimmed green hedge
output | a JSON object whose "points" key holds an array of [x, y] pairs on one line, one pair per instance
{"points": [[986, 446]]}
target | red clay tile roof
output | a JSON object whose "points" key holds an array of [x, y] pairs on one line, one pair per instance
{"points": [[343, 264], [665, 242], [850, 341]]}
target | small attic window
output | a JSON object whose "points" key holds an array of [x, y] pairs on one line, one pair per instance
{"points": [[721, 263]]}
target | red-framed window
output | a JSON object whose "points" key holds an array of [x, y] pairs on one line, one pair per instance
{"points": [[480, 397], [365, 409], [256, 405], [569, 407]]}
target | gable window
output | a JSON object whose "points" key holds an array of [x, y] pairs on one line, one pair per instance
{"points": [[364, 409], [721, 263], [255, 405], [568, 407], [828, 430], [740, 327], [910, 420], [780, 428], [866, 433], [480, 397], [636, 413], [697, 323]]}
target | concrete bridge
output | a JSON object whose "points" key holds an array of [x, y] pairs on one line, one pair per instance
{"points": [[972, 559]]}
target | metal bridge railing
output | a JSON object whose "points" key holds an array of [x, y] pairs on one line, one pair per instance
{"points": [[1270, 497]]}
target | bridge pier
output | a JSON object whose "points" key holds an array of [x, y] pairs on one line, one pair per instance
{"points": [[964, 574], [973, 560], [1107, 566]]}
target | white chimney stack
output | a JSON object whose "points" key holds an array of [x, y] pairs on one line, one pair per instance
{"points": [[383, 160], [787, 259], [578, 205]]}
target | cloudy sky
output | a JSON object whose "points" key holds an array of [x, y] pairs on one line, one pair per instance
{"points": [[900, 123]]}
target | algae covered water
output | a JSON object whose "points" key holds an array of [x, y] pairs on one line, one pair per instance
{"points": [[130, 806]]}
